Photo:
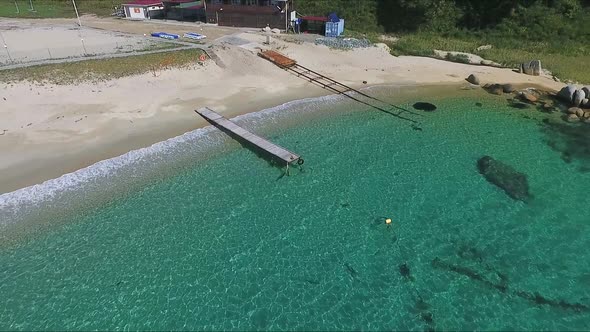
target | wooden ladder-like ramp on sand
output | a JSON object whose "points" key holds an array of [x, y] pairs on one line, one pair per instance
{"points": [[327, 83], [278, 152]]}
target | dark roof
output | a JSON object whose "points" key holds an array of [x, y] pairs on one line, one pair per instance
{"points": [[143, 2]]}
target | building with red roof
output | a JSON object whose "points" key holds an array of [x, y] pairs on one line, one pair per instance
{"points": [[143, 9], [237, 13]]}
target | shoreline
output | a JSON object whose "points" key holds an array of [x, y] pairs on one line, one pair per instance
{"points": [[61, 129]]}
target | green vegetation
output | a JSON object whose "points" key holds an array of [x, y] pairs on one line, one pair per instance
{"points": [[99, 70], [553, 31], [563, 59], [56, 8]]}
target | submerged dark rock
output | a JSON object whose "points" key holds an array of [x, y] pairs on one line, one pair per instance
{"points": [[423, 106], [404, 270], [514, 183]]}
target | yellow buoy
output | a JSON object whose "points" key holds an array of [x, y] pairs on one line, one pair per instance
{"points": [[388, 221]]}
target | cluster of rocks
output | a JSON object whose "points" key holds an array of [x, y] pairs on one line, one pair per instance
{"points": [[577, 99], [463, 57], [496, 89], [576, 114], [343, 43]]}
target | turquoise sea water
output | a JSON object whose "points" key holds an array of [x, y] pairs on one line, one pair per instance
{"points": [[219, 239]]}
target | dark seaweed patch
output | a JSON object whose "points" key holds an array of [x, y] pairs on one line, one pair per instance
{"points": [[424, 106], [405, 272], [422, 309], [470, 253], [478, 104], [350, 270], [570, 140], [514, 183], [503, 286], [519, 105], [312, 282]]}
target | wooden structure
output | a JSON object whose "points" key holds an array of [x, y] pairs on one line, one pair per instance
{"points": [[277, 58], [248, 13], [327, 83], [278, 152]]}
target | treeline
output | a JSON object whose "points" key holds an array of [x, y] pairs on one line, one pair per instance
{"points": [[526, 18]]}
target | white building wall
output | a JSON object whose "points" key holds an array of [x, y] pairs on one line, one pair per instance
{"points": [[137, 12]]}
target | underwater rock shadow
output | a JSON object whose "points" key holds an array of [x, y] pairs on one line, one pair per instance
{"points": [[505, 177], [570, 140], [424, 106]]}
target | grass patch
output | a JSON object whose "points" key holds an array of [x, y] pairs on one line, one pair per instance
{"points": [[101, 70], [373, 37], [56, 8], [562, 57], [156, 46]]}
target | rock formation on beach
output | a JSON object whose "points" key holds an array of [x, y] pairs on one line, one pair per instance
{"points": [[531, 68], [575, 97]]}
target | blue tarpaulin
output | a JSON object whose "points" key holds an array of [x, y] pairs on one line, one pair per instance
{"points": [[332, 17]]}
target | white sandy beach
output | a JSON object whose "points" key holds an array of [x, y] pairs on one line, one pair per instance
{"points": [[50, 130]]}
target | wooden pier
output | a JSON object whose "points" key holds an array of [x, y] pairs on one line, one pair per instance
{"points": [[217, 119]]}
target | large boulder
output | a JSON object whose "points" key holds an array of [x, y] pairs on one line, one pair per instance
{"points": [[586, 90], [566, 94], [579, 96], [473, 79], [514, 183], [531, 68], [573, 110]]}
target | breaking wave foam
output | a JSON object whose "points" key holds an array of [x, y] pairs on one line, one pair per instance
{"points": [[137, 163]]}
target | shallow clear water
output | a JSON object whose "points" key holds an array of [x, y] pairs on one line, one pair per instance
{"points": [[226, 242]]}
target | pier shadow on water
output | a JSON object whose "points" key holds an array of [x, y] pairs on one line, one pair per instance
{"points": [[271, 159]]}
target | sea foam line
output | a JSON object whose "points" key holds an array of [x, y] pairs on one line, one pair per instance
{"points": [[12, 202]]}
